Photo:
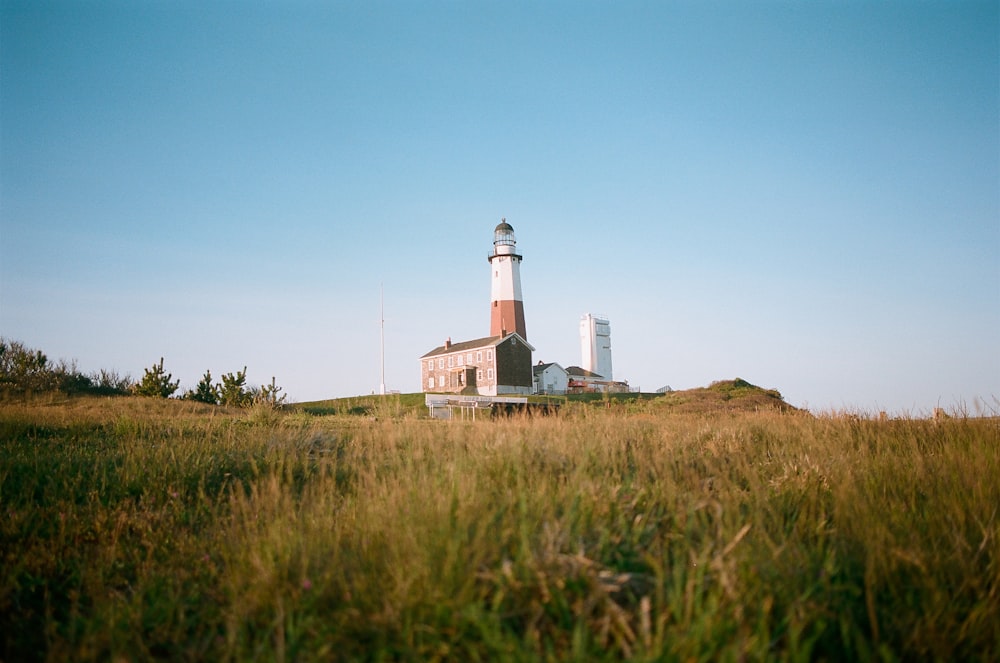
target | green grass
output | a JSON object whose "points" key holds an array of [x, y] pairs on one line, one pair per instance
{"points": [[390, 405], [739, 394], [136, 529]]}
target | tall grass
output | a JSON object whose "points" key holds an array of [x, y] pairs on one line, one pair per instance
{"points": [[136, 529]]}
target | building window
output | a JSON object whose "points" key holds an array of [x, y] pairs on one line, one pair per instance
{"points": [[479, 375], [468, 358], [489, 355], [440, 362], [458, 359], [430, 365], [440, 380], [479, 356], [489, 373], [451, 361], [430, 382]]}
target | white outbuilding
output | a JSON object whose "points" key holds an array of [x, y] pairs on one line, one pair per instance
{"points": [[549, 378]]}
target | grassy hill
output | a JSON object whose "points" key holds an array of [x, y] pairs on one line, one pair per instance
{"points": [[390, 405], [725, 396]]}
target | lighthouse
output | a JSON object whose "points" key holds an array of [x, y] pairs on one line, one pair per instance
{"points": [[499, 364], [506, 306]]}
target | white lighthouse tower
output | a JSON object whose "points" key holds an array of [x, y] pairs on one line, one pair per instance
{"points": [[506, 307]]}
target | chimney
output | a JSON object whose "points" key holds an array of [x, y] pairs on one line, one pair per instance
{"points": [[447, 343]]}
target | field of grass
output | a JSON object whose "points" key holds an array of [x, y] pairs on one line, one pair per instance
{"points": [[723, 397], [134, 529]]}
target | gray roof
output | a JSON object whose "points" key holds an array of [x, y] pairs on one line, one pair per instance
{"points": [[582, 373], [540, 368], [485, 342]]}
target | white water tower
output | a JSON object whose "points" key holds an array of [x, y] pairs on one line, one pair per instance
{"points": [[595, 342]]}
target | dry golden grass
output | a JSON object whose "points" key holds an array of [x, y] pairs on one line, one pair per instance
{"points": [[139, 528]]}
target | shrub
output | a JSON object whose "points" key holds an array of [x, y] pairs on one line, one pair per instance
{"points": [[109, 383], [205, 392], [233, 391], [24, 370], [268, 395], [156, 382]]}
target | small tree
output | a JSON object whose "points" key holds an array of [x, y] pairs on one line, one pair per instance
{"points": [[205, 392], [268, 395], [156, 382], [232, 390]]}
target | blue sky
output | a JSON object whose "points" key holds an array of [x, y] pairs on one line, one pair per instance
{"points": [[805, 195]]}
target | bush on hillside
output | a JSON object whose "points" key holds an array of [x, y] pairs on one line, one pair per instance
{"points": [[268, 395], [25, 371], [233, 390], [109, 383], [156, 382], [205, 391]]}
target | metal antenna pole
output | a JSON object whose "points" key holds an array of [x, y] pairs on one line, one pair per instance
{"points": [[381, 300]]}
